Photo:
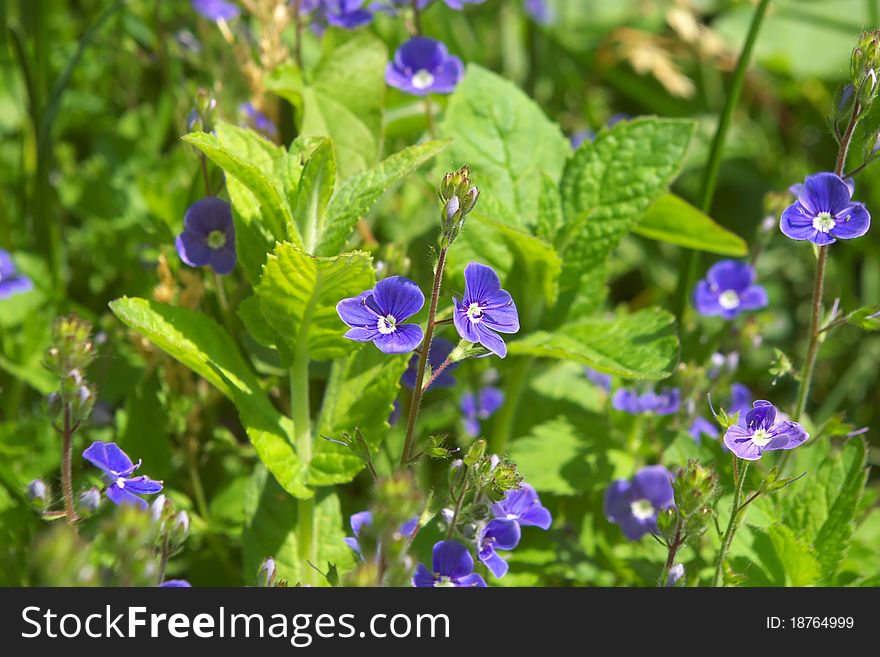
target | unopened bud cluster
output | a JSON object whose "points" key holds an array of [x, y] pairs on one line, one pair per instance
{"points": [[69, 357], [201, 118], [696, 491], [458, 197], [864, 67]]}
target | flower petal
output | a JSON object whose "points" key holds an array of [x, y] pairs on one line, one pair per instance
{"points": [[356, 313], [471, 581], [142, 485], [121, 497], [753, 297], [398, 296], [452, 559], [796, 222], [706, 299], [825, 192], [193, 249], [423, 577], [15, 285], [654, 483], [360, 520], [506, 533], [493, 561], [739, 441], [618, 497], [787, 435], [447, 76], [223, 259], [492, 341], [730, 275], [109, 458], [465, 327], [500, 314], [491, 399], [481, 283], [401, 341], [853, 222], [761, 416]]}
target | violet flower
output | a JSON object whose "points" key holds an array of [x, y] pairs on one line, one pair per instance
{"points": [[634, 504], [377, 315], [824, 211], [208, 237], [12, 282], [728, 290], [482, 407], [763, 432], [216, 10], [118, 468], [422, 66], [485, 309], [451, 565]]}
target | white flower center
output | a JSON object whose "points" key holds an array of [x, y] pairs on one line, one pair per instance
{"points": [[444, 582], [823, 222], [216, 239], [422, 79], [475, 313], [642, 509], [729, 299], [120, 482], [761, 437], [387, 324], [512, 516]]}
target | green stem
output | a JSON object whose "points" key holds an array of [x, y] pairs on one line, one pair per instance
{"points": [[514, 387], [733, 523], [302, 429], [677, 542], [423, 360], [690, 264], [66, 475]]}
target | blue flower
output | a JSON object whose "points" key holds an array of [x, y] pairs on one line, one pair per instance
{"points": [[440, 350], [359, 521], [824, 211], [37, 491], [700, 427], [539, 11], [347, 14], [216, 10], [208, 237], [118, 468], [523, 506], [479, 408], [665, 402], [675, 574], [377, 315], [175, 584], [501, 534], [763, 432], [259, 121], [634, 504], [451, 565], [598, 378], [485, 309], [422, 66], [728, 290], [11, 282]]}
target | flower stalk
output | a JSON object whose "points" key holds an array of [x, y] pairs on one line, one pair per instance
{"points": [[302, 428], [736, 515]]}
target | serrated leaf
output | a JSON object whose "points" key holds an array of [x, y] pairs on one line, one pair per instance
{"points": [[609, 184], [672, 219], [785, 558], [316, 185], [298, 295], [506, 140], [251, 160], [270, 531], [643, 345], [342, 99], [550, 217], [359, 193], [201, 344], [360, 393]]}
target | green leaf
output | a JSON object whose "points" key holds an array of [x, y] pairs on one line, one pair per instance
{"points": [[785, 558], [506, 140], [867, 318], [316, 186], [359, 193], [642, 345], [298, 295], [550, 217], [145, 432], [674, 220], [609, 184], [251, 160], [343, 98], [360, 393], [201, 344], [270, 532]]}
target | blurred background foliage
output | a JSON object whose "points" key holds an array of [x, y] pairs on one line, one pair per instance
{"points": [[95, 182]]}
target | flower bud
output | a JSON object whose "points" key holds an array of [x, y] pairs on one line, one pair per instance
{"points": [[38, 493], [266, 574], [89, 501], [864, 63], [475, 452], [676, 575], [180, 528]]}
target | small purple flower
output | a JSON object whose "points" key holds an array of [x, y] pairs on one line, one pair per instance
{"points": [[634, 504], [394, 418], [484, 309], [539, 11], [118, 468], [347, 14], [175, 584], [700, 427], [259, 121], [208, 237], [37, 491], [598, 378], [422, 66], [824, 211], [440, 350], [498, 534], [763, 432], [665, 402], [481, 407], [578, 138], [740, 402], [364, 519], [11, 282], [216, 10], [451, 565], [524, 506], [377, 315], [728, 290]]}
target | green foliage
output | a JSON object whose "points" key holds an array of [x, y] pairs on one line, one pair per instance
{"points": [[672, 219]]}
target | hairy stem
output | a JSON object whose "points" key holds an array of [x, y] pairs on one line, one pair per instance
{"points": [[423, 360], [673, 550], [690, 264], [733, 523], [66, 468], [434, 374]]}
